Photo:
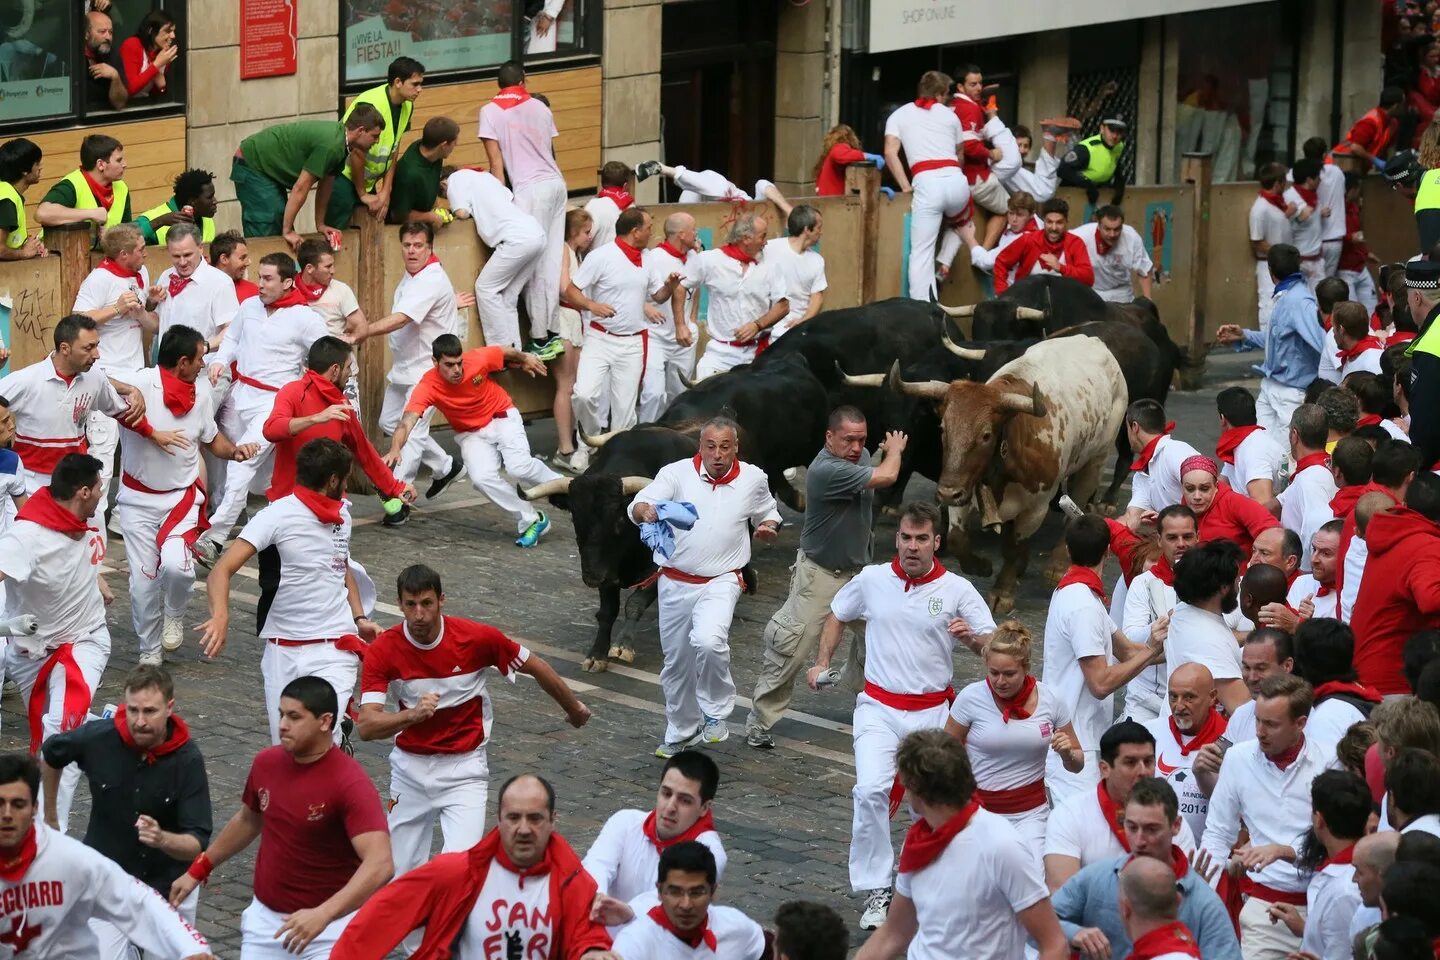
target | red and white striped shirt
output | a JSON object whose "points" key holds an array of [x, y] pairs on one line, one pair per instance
{"points": [[50, 411]]}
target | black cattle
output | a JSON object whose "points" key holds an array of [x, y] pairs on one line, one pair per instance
{"points": [[1033, 307]]}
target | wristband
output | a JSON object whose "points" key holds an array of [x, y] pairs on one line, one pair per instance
{"points": [[359, 618], [143, 427], [201, 868]]}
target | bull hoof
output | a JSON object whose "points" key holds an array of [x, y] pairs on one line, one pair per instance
{"points": [[594, 665], [1000, 604], [976, 566], [623, 654]]}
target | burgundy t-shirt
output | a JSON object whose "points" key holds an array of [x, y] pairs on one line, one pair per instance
{"points": [[310, 811]]}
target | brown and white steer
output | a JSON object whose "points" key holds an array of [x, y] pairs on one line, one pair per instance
{"points": [[1047, 418]]}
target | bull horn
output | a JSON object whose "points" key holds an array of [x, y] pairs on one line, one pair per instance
{"points": [[1030, 313], [859, 380], [547, 489], [633, 485], [964, 353], [958, 312], [686, 381], [598, 441], [929, 389], [1034, 405]]}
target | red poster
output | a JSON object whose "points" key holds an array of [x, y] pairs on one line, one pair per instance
{"points": [[267, 38]]}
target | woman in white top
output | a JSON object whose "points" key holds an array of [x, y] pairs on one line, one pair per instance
{"points": [[1008, 722], [579, 231]]}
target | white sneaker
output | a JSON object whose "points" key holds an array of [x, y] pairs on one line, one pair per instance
{"points": [[669, 748], [715, 730], [172, 633], [153, 658], [206, 552], [877, 907]]}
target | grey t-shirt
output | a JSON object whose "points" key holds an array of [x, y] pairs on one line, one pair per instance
{"points": [[838, 511]]}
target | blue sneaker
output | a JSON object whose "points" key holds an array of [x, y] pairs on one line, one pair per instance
{"points": [[534, 532]]}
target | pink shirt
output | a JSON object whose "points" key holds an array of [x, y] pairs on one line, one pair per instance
{"points": [[524, 133]]}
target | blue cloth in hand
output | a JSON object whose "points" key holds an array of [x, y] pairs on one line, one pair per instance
{"points": [[889, 192], [659, 535], [876, 159]]}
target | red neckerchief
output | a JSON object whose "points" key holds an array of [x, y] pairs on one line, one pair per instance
{"points": [[311, 292], [178, 283], [1325, 321], [328, 391], [1178, 862], [730, 474], [1284, 760], [665, 245], [1230, 441], [1366, 343], [693, 939], [1101, 247], [244, 290], [1291, 577], [631, 254], [110, 266], [1340, 859], [1401, 336], [178, 396], [1209, 732], [1324, 589], [1310, 460], [1352, 688], [1369, 420], [1274, 199], [1013, 706], [735, 253], [1311, 197], [539, 869], [12, 869], [44, 509], [292, 298], [510, 97], [103, 195], [1113, 813], [1163, 571], [702, 825], [433, 259], [326, 509], [1171, 938], [1086, 576], [925, 103], [618, 195], [178, 736], [936, 571], [1142, 462], [924, 844]]}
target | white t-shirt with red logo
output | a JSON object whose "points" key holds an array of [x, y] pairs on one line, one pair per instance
{"points": [[1175, 767], [51, 575], [50, 412], [511, 918], [1006, 755]]}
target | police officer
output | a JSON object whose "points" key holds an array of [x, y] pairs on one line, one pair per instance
{"points": [[1095, 161], [395, 99], [1407, 175], [1422, 282]]}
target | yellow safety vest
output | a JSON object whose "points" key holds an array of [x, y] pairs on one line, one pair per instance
{"points": [[16, 239], [377, 161], [1103, 159], [207, 225], [1427, 197], [85, 197]]}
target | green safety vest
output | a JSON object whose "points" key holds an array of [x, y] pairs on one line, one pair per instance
{"points": [[1103, 159], [207, 225], [377, 161], [1427, 197], [85, 198], [16, 240]]}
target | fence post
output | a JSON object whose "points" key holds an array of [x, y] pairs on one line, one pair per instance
{"points": [[1197, 171], [863, 180], [370, 291], [72, 241]]}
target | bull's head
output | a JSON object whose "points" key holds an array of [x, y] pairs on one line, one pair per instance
{"points": [[603, 531], [973, 417], [1003, 320]]}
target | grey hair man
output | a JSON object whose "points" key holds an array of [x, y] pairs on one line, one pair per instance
{"points": [[802, 266], [748, 295]]}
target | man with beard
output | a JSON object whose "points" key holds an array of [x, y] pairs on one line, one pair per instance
{"points": [[1193, 722]]}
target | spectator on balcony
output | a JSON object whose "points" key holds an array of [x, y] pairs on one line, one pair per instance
{"points": [[95, 191], [1373, 135], [19, 171], [1424, 92], [840, 149], [106, 84], [418, 175], [145, 57]]}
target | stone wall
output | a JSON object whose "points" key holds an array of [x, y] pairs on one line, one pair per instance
{"points": [[630, 66]]}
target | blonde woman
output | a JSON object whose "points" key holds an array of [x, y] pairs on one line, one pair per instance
{"points": [[579, 231], [1008, 723]]}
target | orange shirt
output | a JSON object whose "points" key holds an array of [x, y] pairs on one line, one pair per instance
{"points": [[473, 402]]}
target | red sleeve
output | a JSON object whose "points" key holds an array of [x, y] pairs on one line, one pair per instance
{"points": [[842, 154], [975, 151], [1253, 517], [374, 666], [1422, 582], [1365, 132], [141, 426], [363, 812], [492, 359], [132, 55], [370, 462], [494, 649], [402, 905], [1077, 261], [251, 795], [1007, 261], [579, 933], [277, 426], [421, 398]]}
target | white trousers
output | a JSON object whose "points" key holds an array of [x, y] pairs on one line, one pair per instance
{"points": [[989, 195], [281, 664], [65, 701], [161, 577], [1063, 784], [502, 443], [938, 194], [662, 384], [608, 378], [1261, 939], [258, 925], [451, 786], [1264, 293], [497, 288], [103, 433], [419, 447], [1141, 706], [698, 186], [545, 201], [1362, 287], [1031, 827], [252, 408], [1275, 405], [695, 639], [115, 946], [877, 733], [225, 419], [1330, 257], [717, 358]]}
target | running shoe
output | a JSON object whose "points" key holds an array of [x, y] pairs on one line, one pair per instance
{"points": [[877, 907], [561, 461], [397, 518], [646, 170], [172, 633], [715, 730], [438, 485], [760, 740], [534, 532], [152, 658], [206, 552], [547, 350], [1059, 125], [669, 748]]}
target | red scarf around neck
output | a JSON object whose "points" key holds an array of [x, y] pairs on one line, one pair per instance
{"points": [[735, 253], [1230, 441], [509, 97], [701, 934], [1013, 706], [178, 396], [1275, 200], [1318, 459], [1353, 688], [1171, 938], [177, 736], [178, 284], [618, 195], [292, 298], [631, 253], [925, 103], [1210, 731], [1142, 462], [729, 477], [1365, 343], [326, 509], [1283, 760], [1311, 197], [1113, 813], [1163, 571], [110, 266], [311, 292], [670, 249], [936, 571], [1178, 862], [328, 391], [105, 195], [923, 845], [44, 509], [1340, 859], [12, 869], [539, 869], [705, 824], [1086, 576], [433, 259], [1401, 336]]}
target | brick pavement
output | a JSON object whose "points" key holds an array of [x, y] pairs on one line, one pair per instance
{"points": [[785, 814]]}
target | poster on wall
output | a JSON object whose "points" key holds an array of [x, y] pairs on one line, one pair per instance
{"points": [[462, 37], [1158, 237], [268, 31]]}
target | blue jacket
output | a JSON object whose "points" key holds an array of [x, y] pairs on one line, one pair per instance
{"points": [[1295, 338]]}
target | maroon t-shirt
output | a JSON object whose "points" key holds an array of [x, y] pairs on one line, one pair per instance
{"points": [[310, 811]]}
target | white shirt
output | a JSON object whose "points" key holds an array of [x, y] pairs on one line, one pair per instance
{"points": [[661, 263], [908, 646], [50, 412], [739, 293], [607, 276], [507, 911], [270, 347], [1396, 431], [1199, 636], [428, 299], [624, 862], [737, 937], [525, 134], [926, 134], [1429, 823], [1305, 505], [1077, 828], [1175, 767], [1158, 485], [1004, 756], [1329, 721], [1274, 803], [206, 304], [1258, 457], [1078, 626], [1268, 223], [1114, 268], [51, 575], [1367, 362], [1146, 601], [1306, 585], [1307, 232], [720, 540], [975, 919], [1355, 556], [309, 600], [335, 304], [491, 206], [1329, 363], [179, 466], [12, 485], [1241, 726], [982, 259], [122, 342], [1331, 193], [603, 214], [804, 275]]}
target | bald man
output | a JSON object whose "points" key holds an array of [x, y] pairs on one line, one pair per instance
{"points": [[1373, 855], [1263, 584], [1193, 722], [1149, 906]]}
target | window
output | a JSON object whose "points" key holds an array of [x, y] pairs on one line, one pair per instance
{"points": [[37, 44]]}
